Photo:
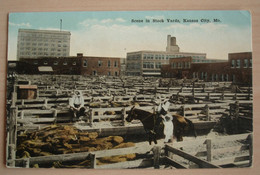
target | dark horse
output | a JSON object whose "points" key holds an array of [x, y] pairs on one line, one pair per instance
{"points": [[151, 122]]}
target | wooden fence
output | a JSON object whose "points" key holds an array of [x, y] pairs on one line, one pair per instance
{"points": [[153, 156]]}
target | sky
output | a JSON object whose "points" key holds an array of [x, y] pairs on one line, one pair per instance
{"points": [[114, 33]]}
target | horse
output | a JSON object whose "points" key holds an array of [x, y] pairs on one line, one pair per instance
{"points": [[182, 124], [151, 122]]}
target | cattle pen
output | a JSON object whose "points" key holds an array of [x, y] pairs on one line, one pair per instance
{"points": [[38, 119]]}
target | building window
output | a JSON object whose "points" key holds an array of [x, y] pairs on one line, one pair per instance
{"points": [[99, 63], [212, 77], [179, 65], [74, 63], [108, 63], [250, 63], [173, 65], [94, 72], [216, 77], [226, 77], [35, 62], [148, 65], [109, 73], [116, 73], [238, 64], [115, 64], [85, 63], [188, 64], [245, 63], [158, 65], [205, 76], [65, 63], [55, 63], [233, 78], [45, 62], [233, 63]]}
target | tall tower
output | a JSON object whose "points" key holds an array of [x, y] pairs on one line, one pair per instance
{"points": [[171, 44], [33, 43]]}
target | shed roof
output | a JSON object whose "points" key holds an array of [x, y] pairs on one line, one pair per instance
{"points": [[45, 69], [27, 86]]}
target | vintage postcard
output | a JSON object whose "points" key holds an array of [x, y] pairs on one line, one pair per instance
{"points": [[129, 90]]}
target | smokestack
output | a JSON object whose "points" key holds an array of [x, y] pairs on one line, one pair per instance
{"points": [[168, 40], [173, 41]]}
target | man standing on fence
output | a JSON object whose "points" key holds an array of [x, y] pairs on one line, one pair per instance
{"points": [[77, 105]]}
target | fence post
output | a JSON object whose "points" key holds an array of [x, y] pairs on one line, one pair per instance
{"points": [[26, 163], [235, 96], [250, 142], [183, 110], [208, 146], [249, 93], [92, 160], [14, 98], [55, 113], [208, 97], [207, 112], [236, 116], [178, 97], [91, 117], [123, 116], [222, 95], [13, 134], [156, 157], [45, 103]]}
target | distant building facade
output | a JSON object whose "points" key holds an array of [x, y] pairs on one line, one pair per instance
{"points": [[74, 65], [238, 69], [33, 43], [149, 63]]}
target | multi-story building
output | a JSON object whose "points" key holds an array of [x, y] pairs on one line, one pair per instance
{"points": [[238, 69], [42, 43], [148, 63], [73, 65]]}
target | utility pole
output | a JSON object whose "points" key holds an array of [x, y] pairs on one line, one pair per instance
{"points": [[60, 24]]}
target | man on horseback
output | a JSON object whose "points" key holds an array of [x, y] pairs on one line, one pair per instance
{"points": [[166, 118]]}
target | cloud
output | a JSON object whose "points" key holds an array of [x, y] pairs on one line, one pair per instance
{"points": [[154, 17], [88, 22], [193, 26], [28, 25], [91, 22], [106, 21], [120, 20]]}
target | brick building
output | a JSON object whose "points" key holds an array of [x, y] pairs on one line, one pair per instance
{"points": [[77, 65], [238, 69]]}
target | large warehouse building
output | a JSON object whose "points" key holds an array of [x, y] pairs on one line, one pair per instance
{"points": [[149, 63], [33, 43]]}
